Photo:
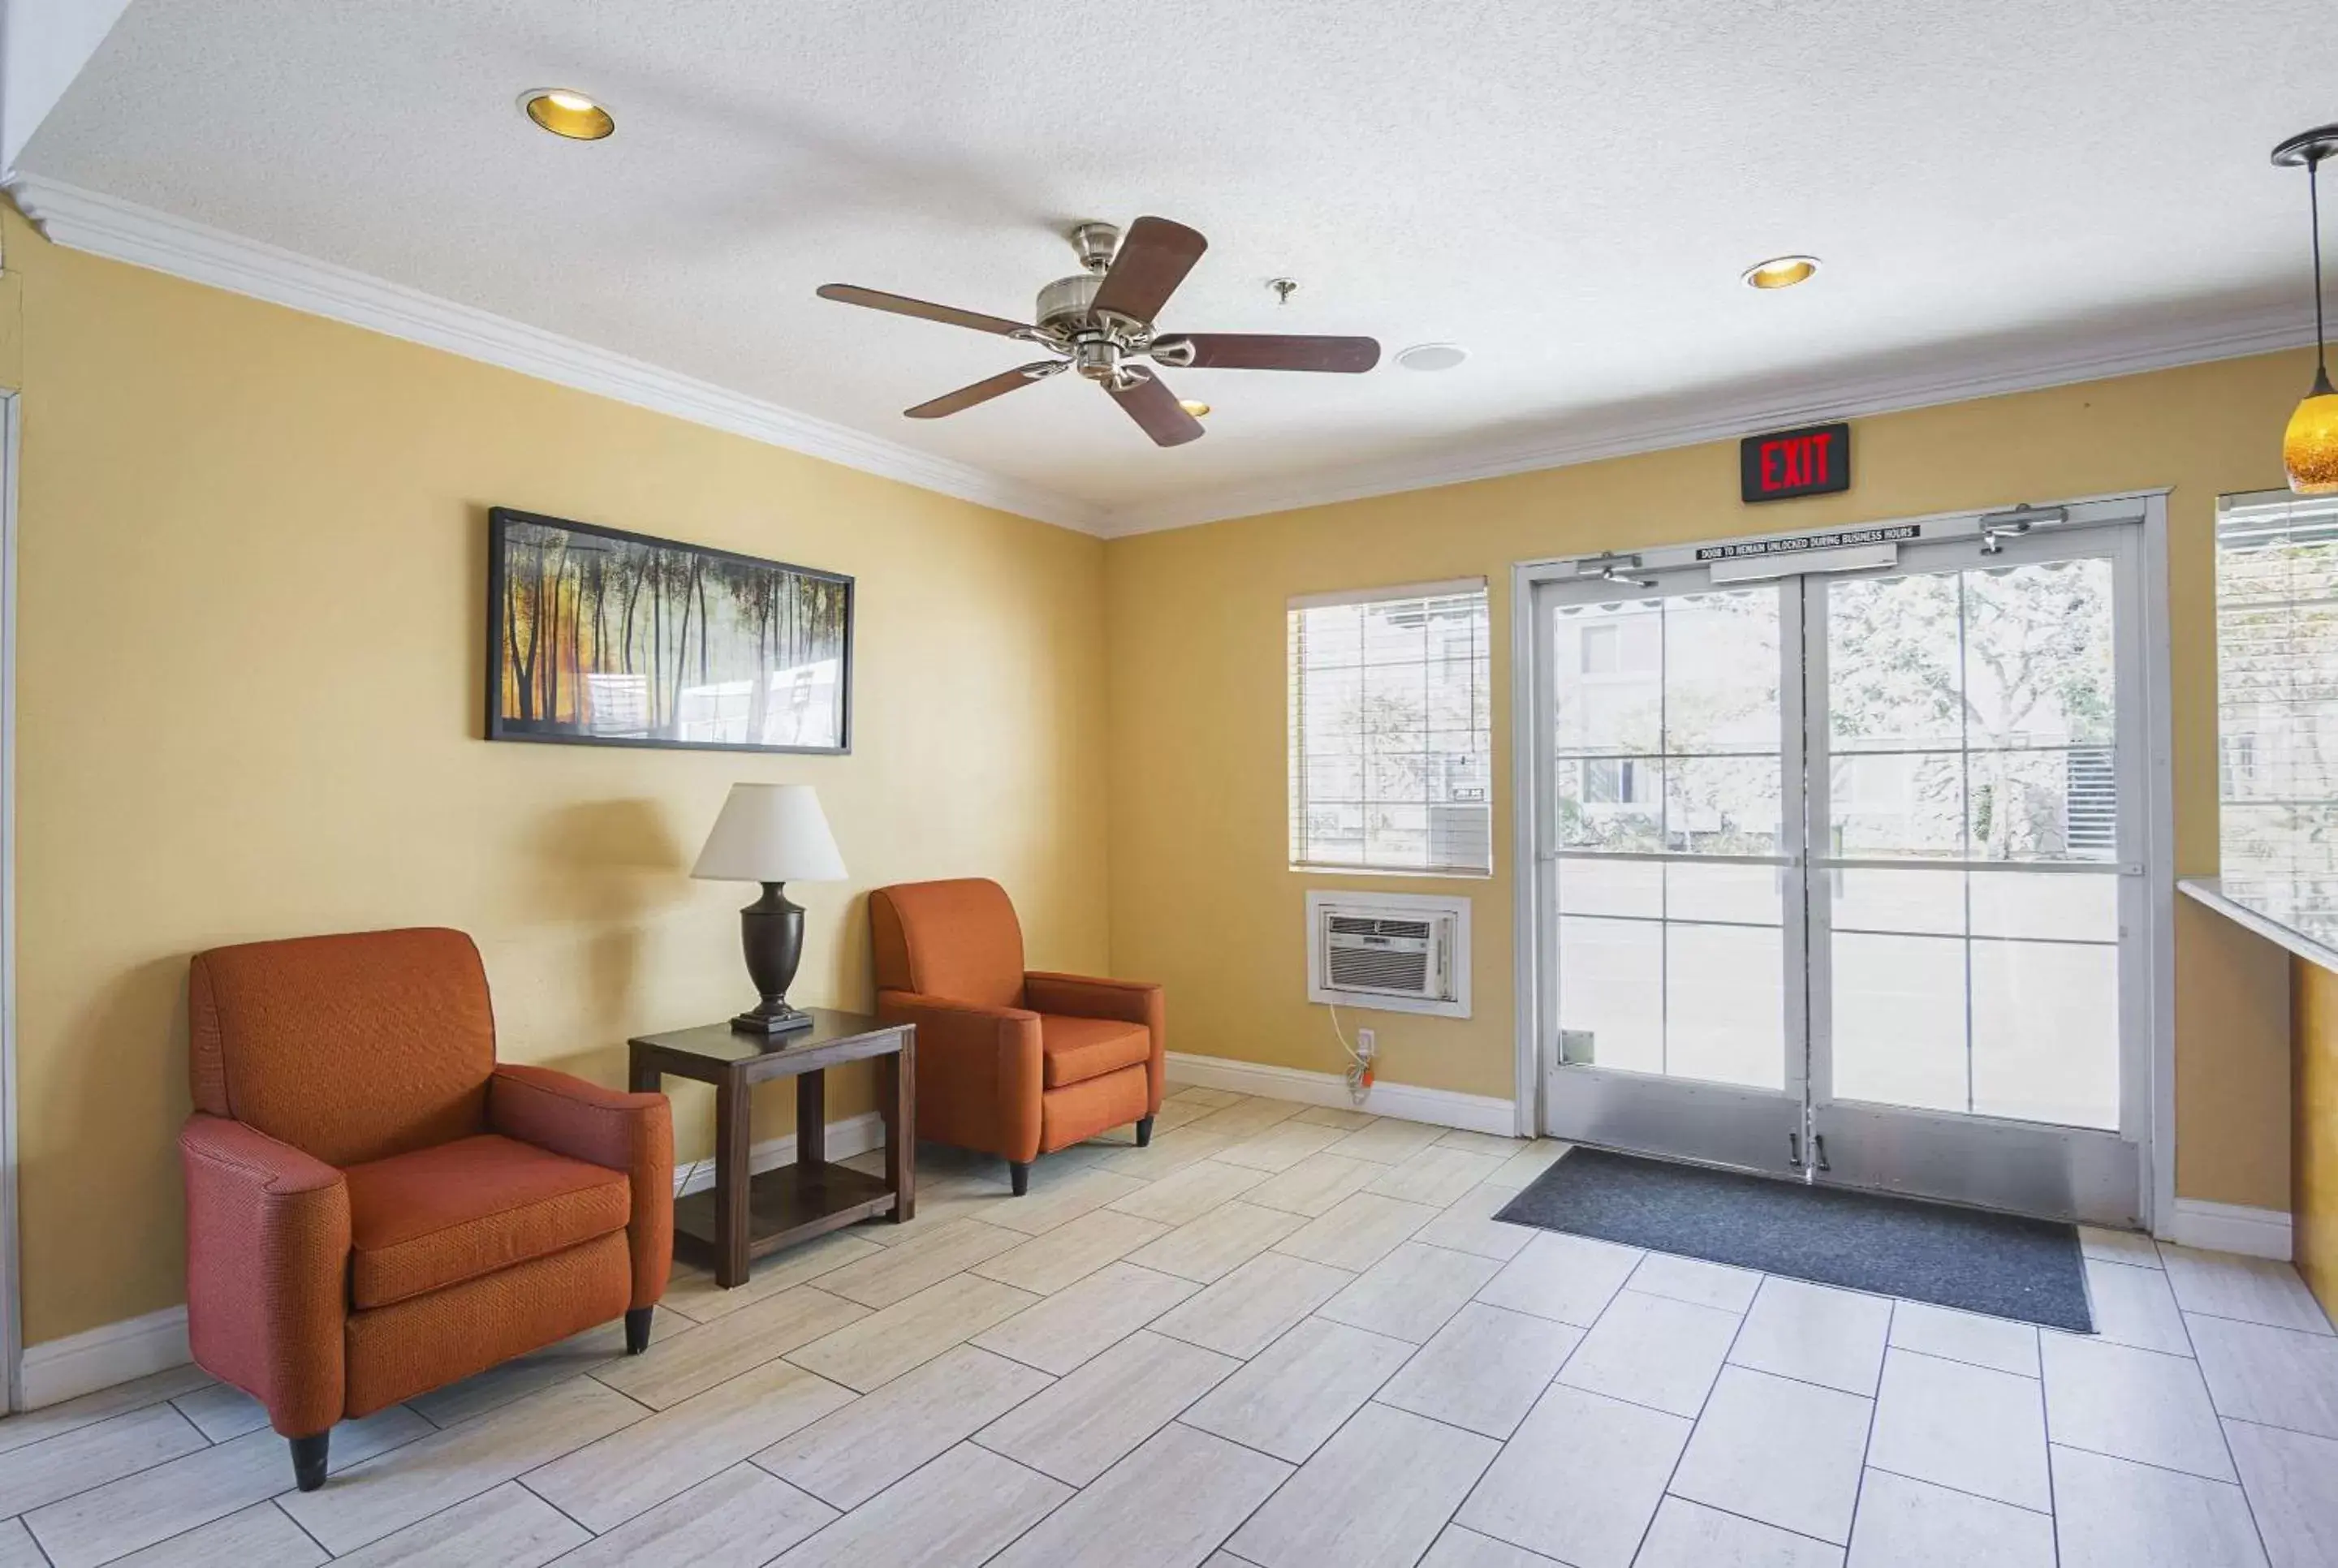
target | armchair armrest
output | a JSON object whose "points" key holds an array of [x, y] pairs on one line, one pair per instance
{"points": [[1089, 996], [268, 1259], [979, 1072], [625, 1131], [1128, 1001]]}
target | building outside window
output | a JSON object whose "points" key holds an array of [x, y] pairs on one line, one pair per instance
{"points": [[1391, 731], [2277, 695]]}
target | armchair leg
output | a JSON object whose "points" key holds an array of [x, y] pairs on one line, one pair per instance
{"points": [[1019, 1172], [1144, 1131], [309, 1460], [637, 1328]]}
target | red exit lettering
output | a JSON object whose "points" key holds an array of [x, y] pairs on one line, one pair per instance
{"points": [[1797, 460]]}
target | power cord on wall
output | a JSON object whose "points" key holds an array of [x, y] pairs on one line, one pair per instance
{"points": [[1360, 1062], [690, 1174]]}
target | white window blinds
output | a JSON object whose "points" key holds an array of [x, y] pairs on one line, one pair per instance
{"points": [[2277, 690], [1390, 726]]}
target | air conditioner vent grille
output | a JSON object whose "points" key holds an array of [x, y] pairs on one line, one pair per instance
{"points": [[1390, 951], [1380, 969], [1369, 925]]}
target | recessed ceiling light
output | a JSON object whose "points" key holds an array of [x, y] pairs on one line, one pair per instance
{"points": [[566, 112], [1194, 405], [1431, 356], [1781, 271]]}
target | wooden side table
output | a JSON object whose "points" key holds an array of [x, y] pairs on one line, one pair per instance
{"points": [[744, 1216]]}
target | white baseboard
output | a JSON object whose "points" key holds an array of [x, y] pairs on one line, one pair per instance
{"points": [[79, 1364], [853, 1135], [1442, 1107], [2229, 1228]]}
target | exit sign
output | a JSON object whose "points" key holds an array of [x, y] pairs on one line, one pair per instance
{"points": [[1812, 461]]}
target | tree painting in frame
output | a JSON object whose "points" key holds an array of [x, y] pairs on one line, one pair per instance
{"points": [[604, 638]]}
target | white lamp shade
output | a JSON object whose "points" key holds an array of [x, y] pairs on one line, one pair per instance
{"points": [[770, 833]]}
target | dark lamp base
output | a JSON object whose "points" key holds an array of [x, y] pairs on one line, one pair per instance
{"points": [[771, 929], [786, 1021]]}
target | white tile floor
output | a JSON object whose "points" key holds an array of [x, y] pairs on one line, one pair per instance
{"points": [[1280, 1336]]}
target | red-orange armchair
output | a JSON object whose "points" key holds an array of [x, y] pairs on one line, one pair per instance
{"points": [[374, 1207], [1010, 1062]]}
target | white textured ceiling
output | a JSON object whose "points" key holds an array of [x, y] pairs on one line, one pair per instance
{"points": [[1570, 190]]}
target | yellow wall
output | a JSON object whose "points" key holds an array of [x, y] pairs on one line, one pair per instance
{"points": [[251, 581], [1201, 894], [2315, 1217], [253, 561]]}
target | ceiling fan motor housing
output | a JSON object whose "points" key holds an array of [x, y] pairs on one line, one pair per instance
{"points": [[1097, 359], [1065, 302]]}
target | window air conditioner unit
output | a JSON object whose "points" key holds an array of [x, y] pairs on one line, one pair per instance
{"points": [[1391, 951]]}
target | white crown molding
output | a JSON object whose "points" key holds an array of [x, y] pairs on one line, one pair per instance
{"points": [[1593, 439], [124, 231]]}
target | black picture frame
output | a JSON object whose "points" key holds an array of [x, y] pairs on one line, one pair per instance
{"points": [[644, 714]]}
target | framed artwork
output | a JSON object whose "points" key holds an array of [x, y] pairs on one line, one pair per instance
{"points": [[601, 638]]}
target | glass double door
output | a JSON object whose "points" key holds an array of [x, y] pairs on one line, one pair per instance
{"points": [[1838, 871]]}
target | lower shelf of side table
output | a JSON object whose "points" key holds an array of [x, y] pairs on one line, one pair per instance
{"points": [[785, 1205]]}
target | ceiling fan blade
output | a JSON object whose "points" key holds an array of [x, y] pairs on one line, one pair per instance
{"points": [[1267, 351], [1155, 257], [998, 385], [902, 305], [1151, 405]]}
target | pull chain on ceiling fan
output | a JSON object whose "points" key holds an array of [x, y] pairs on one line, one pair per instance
{"points": [[1100, 319]]}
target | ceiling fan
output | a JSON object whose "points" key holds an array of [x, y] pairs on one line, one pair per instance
{"points": [[1101, 317]]}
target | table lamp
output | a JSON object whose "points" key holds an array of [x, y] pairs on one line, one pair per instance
{"points": [[774, 834]]}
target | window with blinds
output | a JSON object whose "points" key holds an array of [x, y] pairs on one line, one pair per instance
{"points": [[1390, 726], [2277, 690]]}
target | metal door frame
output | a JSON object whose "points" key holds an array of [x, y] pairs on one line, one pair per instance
{"points": [[2001, 1162], [1684, 1118], [2148, 981]]}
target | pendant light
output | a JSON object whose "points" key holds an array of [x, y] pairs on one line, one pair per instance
{"points": [[2309, 448]]}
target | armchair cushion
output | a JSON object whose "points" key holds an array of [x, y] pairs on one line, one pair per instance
{"points": [[625, 1131], [1125, 1001], [1078, 1049], [1079, 1111], [436, 1217]]}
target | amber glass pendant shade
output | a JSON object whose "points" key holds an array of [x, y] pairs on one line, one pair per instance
{"points": [[2309, 448]]}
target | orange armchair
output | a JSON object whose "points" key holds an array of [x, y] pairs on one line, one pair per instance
{"points": [[374, 1207], [1013, 1063]]}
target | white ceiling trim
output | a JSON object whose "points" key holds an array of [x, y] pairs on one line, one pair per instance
{"points": [[1591, 440], [125, 231]]}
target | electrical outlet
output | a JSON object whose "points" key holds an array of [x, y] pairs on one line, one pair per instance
{"points": [[1367, 1043]]}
